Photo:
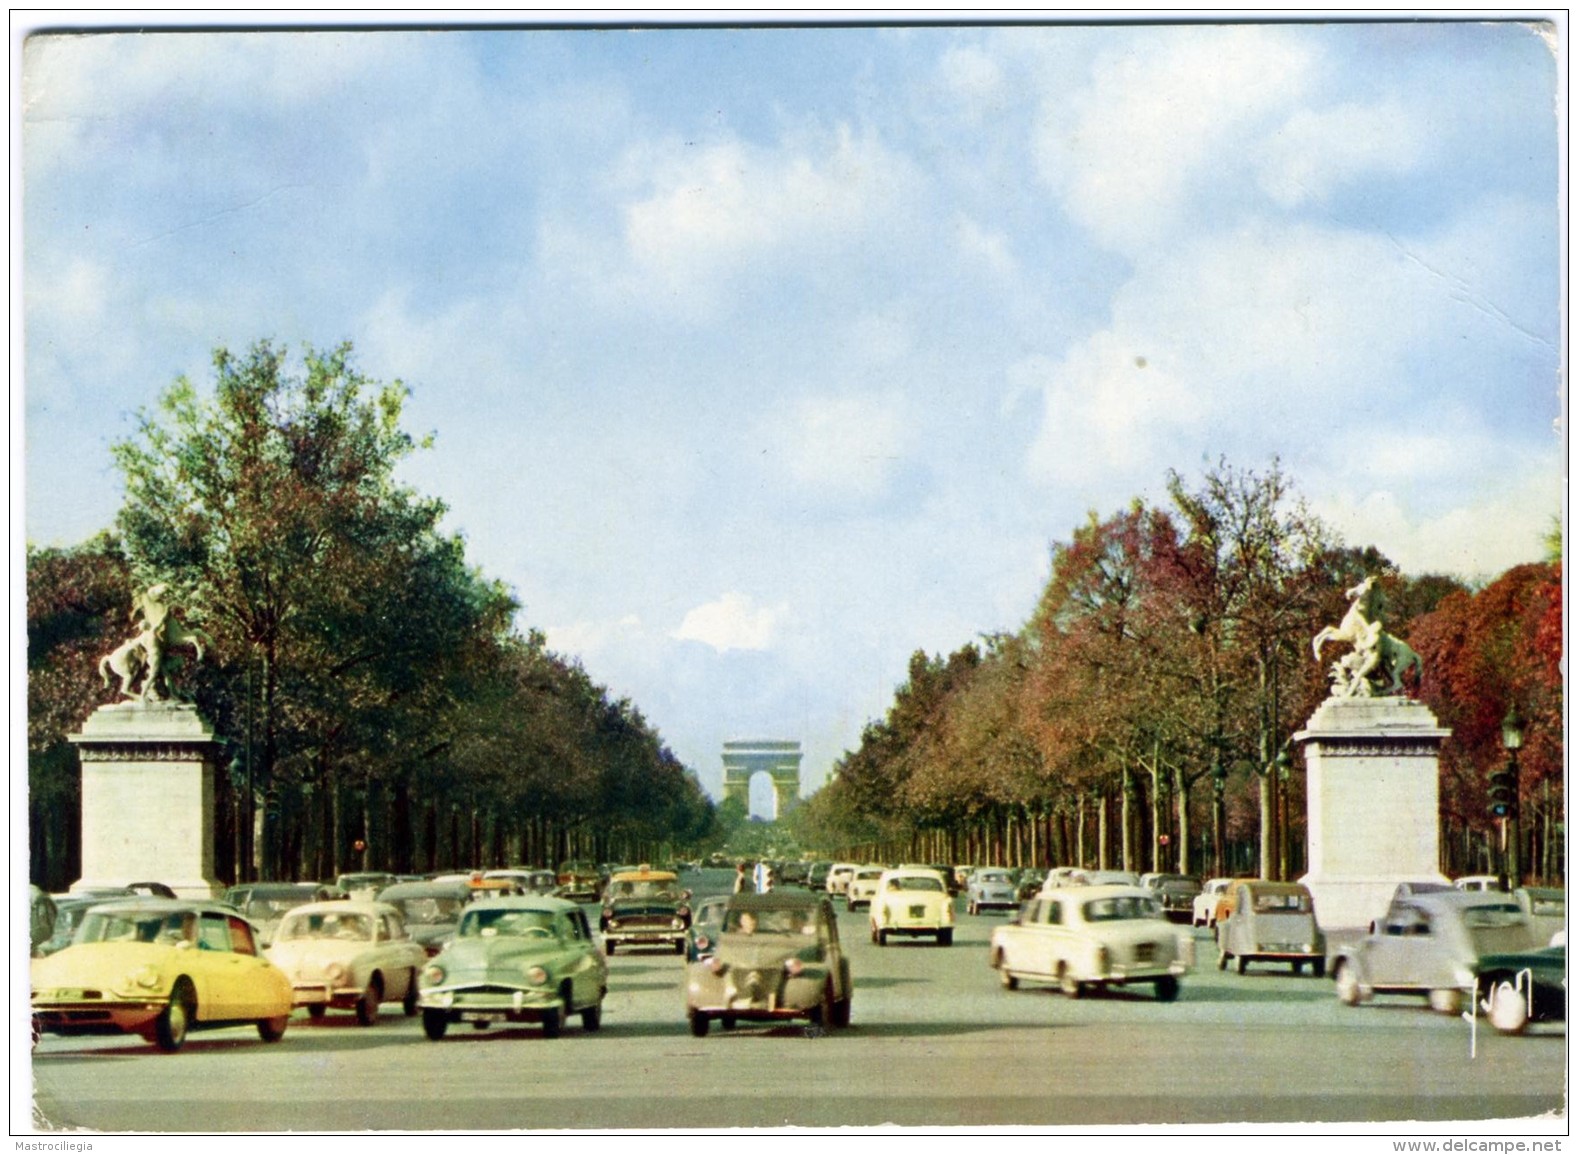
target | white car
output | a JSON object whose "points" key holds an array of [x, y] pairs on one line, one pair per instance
{"points": [[862, 887], [351, 954], [912, 902], [838, 876], [1214, 891], [1089, 937]]}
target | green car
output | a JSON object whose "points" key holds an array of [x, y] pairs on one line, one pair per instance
{"points": [[1523, 987], [529, 959]]}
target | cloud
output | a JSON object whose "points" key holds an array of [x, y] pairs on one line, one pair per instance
{"points": [[847, 447], [1318, 152], [733, 622], [589, 639], [1133, 152]]}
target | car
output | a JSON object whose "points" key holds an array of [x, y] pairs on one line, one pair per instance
{"points": [[364, 884], [1177, 892], [430, 910], [159, 968], [991, 887], [541, 882], [912, 901], [1029, 884], [779, 958], [1523, 987], [1430, 945], [1546, 907], [1203, 910], [1271, 922], [579, 881], [949, 877], [1111, 878], [525, 959], [645, 907], [41, 915], [862, 887], [265, 903], [69, 911], [349, 955], [816, 877], [1087, 938], [793, 873], [1480, 882], [706, 927], [151, 889], [838, 876], [1412, 887], [1060, 877]]}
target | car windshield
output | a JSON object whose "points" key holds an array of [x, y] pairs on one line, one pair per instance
{"points": [[506, 924], [345, 926], [430, 911], [801, 922], [1496, 927], [1120, 907], [271, 908], [915, 882], [645, 889], [136, 926], [994, 876], [1282, 903], [868, 875], [1544, 904]]}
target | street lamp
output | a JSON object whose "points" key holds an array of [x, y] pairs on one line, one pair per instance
{"points": [[1504, 793]]}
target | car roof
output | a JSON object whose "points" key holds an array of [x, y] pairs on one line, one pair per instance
{"points": [[281, 887], [425, 890], [343, 906], [644, 876], [1264, 886], [1103, 890], [542, 902], [153, 904], [1454, 899]]}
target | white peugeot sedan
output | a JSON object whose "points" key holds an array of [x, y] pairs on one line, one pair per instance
{"points": [[1090, 937]]}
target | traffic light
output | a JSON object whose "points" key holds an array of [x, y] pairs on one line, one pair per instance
{"points": [[1503, 794]]}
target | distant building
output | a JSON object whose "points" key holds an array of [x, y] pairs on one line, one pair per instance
{"points": [[780, 759]]}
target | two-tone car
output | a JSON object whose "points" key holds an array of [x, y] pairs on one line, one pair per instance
{"points": [[912, 902], [579, 881], [1271, 922], [1090, 937], [430, 910], [348, 955], [779, 958], [158, 968], [645, 907], [1430, 945], [991, 888], [527, 959]]}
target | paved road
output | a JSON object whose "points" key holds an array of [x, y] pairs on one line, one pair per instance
{"points": [[934, 1042]]}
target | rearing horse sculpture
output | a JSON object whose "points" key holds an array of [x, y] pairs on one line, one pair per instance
{"points": [[1378, 661], [142, 655]]}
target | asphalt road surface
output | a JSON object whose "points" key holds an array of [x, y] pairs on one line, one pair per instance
{"points": [[934, 1042]]}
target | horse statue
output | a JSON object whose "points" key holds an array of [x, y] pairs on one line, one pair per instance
{"points": [[142, 655], [1378, 661]]}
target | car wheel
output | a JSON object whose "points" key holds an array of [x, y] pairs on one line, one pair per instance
{"points": [[367, 1005], [945, 938], [1349, 991], [171, 1026], [1243, 964], [552, 1022], [1319, 968], [1221, 959], [272, 1030], [435, 1024], [316, 1011], [1446, 1000], [1509, 1009], [822, 1013], [38, 1030], [699, 1024], [679, 947], [841, 1010], [727, 1022], [412, 993], [592, 1017], [1298, 968], [1166, 988], [608, 947], [882, 937], [1070, 986]]}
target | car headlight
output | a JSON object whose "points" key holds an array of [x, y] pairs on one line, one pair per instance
{"points": [[535, 974], [793, 966], [702, 942], [676, 924], [433, 975], [147, 978], [336, 972]]}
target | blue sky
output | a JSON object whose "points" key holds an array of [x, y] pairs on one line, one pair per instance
{"points": [[758, 359]]}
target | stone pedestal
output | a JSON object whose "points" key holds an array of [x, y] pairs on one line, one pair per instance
{"points": [[1373, 790], [148, 798]]}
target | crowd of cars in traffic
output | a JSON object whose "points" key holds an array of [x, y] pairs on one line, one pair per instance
{"points": [[519, 946]]}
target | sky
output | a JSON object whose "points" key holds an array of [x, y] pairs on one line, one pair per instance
{"points": [[758, 359]]}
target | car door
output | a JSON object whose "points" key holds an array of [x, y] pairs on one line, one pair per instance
{"points": [[1019, 938], [827, 928], [406, 958], [1390, 953], [580, 960]]}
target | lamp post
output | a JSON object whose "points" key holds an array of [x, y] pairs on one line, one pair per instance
{"points": [[1511, 740]]}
